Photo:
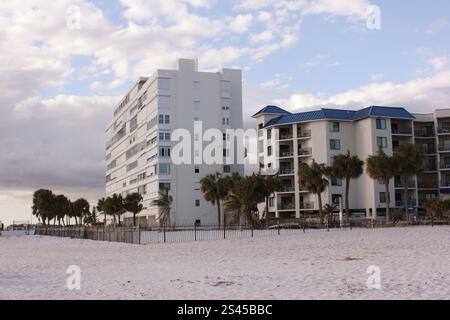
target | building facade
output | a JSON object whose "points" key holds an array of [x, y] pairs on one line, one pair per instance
{"points": [[139, 139], [322, 134]]}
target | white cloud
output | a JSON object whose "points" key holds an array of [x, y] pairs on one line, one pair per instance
{"points": [[438, 25], [420, 95]]}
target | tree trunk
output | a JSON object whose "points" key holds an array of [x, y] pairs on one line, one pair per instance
{"points": [[319, 196], [347, 192], [388, 201], [219, 215], [406, 200], [134, 219], [267, 211]]}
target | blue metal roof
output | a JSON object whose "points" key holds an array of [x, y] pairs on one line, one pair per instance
{"points": [[272, 110], [341, 115]]}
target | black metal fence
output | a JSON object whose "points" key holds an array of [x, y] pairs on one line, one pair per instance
{"points": [[190, 233]]}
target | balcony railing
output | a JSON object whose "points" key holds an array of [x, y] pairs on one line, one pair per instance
{"points": [[411, 203], [444, 166], [428, 185], [304, 134], [286, 171], [445, 183], [306, 205], [444, 147], [427, 150], [286, 206], [305, 152], [287, 189], [286, 154], [401, 184], [286, 136], [424, 133], [402, 130], [444, 130]]}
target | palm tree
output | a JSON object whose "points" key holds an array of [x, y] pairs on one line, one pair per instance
{"points": [[114, 206], [409, 163], [312, 178], [164, 203], [269, 184], [214, 189], [329, 210], [245, 193], [381, 167], [81, 208], [43, 205], [61, 207], [233, 204], [133, 204], [348, 167], [101, 208], [436, 208]]}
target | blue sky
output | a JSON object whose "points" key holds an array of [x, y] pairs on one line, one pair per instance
{"points": [[60, 84]]}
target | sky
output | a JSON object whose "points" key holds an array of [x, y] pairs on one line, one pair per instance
{"points": [[65, 64]]}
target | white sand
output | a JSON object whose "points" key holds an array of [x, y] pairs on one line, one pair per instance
{"points": [[414, 262]]}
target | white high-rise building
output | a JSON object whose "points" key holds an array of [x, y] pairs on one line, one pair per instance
{"points": [[138, 149], [324, 133]]}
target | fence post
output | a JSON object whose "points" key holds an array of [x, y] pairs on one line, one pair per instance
{"points": [[279, 231], [139, 234], [195, 232], [252, 230], [164, 233], [351, 226], [224, 231]]}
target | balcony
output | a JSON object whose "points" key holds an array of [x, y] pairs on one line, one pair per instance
{"points": [[402, 131], [445, 183], [286, 171], [401, 184], [427, 149], [305, 152], [304, 134], [287, 188], [428, 185], [306, 205], [286, 206], [443, 130], [424, 133], [286, 136], [445, 165], [400, 204], [286, 154], [444, 147]]}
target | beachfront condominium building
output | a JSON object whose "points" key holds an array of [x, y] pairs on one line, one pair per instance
{"points": [[322, 134], [139, 142]]}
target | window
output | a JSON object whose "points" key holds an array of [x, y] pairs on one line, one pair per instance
{"points": [[226, 104], [164, 186], [133, 124], [196, 85], [226, 169], [226, 86], [336, 199], [335, 144], [271, 201], [142, 190], [164, 136], [197, 169], [164, 152], [164, 83], [383, 198], [269, 134], [196, 105], [226, 121], [164, 119], [381, 124], [164, 168], [132, 166], [382, 142], [197, 203], [335, 182], [164, 102], [269, 151], [334, 127]]}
